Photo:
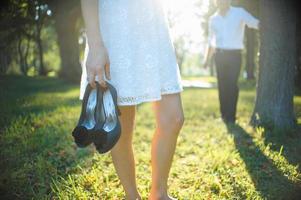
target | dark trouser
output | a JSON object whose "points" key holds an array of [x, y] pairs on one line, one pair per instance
{"points": [[228, 64]]}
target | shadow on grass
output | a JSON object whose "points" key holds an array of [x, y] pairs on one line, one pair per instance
{"points": [[268, 180], [17, 91], [34, 146], [289, 141], [23, 85]]}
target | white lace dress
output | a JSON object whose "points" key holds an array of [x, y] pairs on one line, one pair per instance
{"points": [[142, 57]]}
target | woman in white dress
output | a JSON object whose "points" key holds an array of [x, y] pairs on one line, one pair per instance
{"points": [[128, 44]]}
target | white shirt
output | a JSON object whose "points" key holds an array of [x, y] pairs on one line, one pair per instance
{"points": [[227, 32]]}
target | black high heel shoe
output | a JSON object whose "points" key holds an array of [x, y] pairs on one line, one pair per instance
{"points": [[88, 125], [111, 128]]}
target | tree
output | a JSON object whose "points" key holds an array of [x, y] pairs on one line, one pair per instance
{"points": [[23, 51], [275, 87], [66, 15], [251, 43], [12, 22], [38, 13], [298, 77], [22, 22]]}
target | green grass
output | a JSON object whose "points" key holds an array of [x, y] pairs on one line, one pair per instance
{"points": [[39, 159], [209, 79]]}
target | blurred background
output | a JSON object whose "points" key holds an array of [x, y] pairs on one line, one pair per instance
{"points": [[46, 37], [41, 48]]}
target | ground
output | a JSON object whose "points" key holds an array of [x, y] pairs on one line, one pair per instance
{"points": [[39, 159]]}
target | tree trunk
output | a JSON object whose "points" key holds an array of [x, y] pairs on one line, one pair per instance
{"points": [[251, 40], [26, 54], [275, 89], [42, 70], [212, 67], [39, 42], [250, 55], [66, 16], [298, 77], [23, 54], [5, 59], [20, 55]]}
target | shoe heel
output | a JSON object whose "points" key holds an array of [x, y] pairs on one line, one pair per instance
{"points": [[82, 133], [111, 126]]}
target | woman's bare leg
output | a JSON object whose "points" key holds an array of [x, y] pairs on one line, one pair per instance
{"points": [[169, 119], [122, 153]]}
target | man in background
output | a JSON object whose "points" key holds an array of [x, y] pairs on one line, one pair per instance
{"points": [[225, 42]]}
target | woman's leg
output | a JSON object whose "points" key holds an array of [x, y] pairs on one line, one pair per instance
{"points": [[122, 153], [169, 119]]}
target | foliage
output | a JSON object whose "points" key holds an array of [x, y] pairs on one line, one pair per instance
{"points": [[29, 38]]}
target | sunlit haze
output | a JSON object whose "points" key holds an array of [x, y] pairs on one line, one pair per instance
{"points": [[186, 18]]}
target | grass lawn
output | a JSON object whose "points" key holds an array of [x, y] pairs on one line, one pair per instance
{"points": [[39, 159]]}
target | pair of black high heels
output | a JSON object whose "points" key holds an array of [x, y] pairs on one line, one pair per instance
{"points": [[98, 122]]}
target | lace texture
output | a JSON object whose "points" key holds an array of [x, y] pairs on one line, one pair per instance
{"points": [[142, 57]]}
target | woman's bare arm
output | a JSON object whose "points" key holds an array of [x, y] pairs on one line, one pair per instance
{"points": [[91, 20], [97, 60]]}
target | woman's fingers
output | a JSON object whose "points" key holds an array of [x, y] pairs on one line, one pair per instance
{"points": [[91, 79], [107, 70], [98, 64], [100, 77]]}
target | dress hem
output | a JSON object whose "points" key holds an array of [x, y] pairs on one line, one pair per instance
{"points": [[134, 103], [136, 100]]}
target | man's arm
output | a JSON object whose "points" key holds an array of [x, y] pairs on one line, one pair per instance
{"points": [[209, 49], [208, 55], [250, 20]]}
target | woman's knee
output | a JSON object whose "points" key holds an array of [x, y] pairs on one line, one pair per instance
{"points": [[179, 120], [173, 122], [170, 115]]}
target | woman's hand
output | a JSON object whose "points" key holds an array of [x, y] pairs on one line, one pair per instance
{"points": [[98, 63]]}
